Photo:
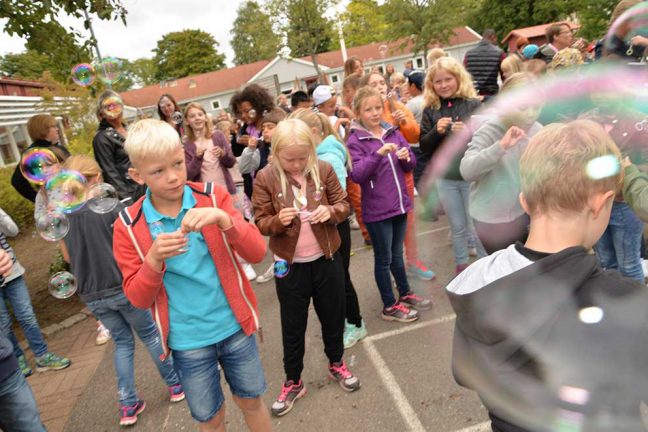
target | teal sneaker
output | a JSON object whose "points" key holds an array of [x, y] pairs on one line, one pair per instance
{"points": [[24, 366], [51, 361], [421, 271], [353, 334]]}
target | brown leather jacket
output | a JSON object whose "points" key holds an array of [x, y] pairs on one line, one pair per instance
{"points": [[268, 200]]}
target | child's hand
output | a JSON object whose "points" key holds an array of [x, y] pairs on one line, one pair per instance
{"points": [[286, 215], [458, 126], [320, 215], [166, 245], [399, 116], [200, 150], [626, 162], [6, 263], [198, 218], [344, 122], [243, 139], [387, 148], [218, 152], [443, 124], [512, 137], [403, 154], [345, 112]]}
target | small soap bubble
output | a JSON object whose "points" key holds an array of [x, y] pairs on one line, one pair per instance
{"points": [[52, 226], [83, 74], [38, 164], [66, 191], [281, 268], [110, 70], [177, 117], [62, 285], [112, 107], [102, 198]]}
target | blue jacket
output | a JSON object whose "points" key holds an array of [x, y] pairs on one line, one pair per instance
{"points": [[382, 179], [333, 152]]}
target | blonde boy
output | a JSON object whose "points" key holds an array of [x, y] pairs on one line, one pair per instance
{"points": [[543, 333], [176, 249]]}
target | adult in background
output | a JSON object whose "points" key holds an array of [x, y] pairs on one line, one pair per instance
{"points": [[166, 107], [43, 131], [484, 64], [108, 146], [249, 106], [353, 65], [559, 36]]}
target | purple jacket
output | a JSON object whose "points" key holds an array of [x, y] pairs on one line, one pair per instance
{"points": [[381, 178]]}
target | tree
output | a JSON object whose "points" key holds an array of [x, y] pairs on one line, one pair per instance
{"points": [[363, 22], [594, 16], [304, 25], [144, 69], [28, 65], [187, 52], [253, 38], [425, 21]]}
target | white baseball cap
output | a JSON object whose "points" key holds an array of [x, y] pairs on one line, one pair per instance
{"points": [[322, 93]]}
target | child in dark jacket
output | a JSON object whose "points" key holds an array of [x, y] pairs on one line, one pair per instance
{"points": [[380, 157], [544, 334]]}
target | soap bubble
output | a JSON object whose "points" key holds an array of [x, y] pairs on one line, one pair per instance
{"points": [[83, 74], [177, 117], [112, 107], [38, 164], [52, 226], [62, 285], [281, 268], [102, 198], [110, 70], [66, 191]]}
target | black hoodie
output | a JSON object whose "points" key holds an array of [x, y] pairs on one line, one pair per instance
{"points": [[558, 341]]}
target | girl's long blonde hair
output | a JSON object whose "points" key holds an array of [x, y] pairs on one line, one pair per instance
{"points": [[323, 125], [294, 132], [209, 127], [465, 87]]}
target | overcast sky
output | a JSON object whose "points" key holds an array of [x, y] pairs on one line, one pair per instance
{"points": [[147, 21]]}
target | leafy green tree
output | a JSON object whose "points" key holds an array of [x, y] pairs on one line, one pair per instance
{"points": [[187, 52], [594, 16], [28, 65], [425, 21], [252, 36], [304, 25], [363, 22], [144, 69]]}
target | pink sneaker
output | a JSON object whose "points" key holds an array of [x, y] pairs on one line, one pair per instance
{"points": [[339, 372], [176, 393]]}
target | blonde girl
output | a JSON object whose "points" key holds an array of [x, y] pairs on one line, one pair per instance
{"points": [[298, 201], [381, 156]]}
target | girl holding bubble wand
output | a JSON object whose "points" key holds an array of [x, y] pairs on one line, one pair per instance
{"points": [[381, 156], [331, 150], [298, 201]]}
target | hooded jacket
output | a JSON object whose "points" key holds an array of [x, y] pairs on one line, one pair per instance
{"points": [[381, 178], [558, 335], [108, 147], [144, 286], [334, 152]]}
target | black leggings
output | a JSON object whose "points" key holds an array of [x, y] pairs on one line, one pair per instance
{"points": [[495, 237], [352, 305]]}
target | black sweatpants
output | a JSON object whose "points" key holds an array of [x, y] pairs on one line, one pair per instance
{"points": [[352, 305], [323, 281]]}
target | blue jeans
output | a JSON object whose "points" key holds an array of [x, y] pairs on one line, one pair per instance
{"points": [[454, 196], [387, 237], [620, 245], [15, 292], [18, 410], [200, 377], [121, 318]]}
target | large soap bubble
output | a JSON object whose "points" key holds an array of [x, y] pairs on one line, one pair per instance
{"points": [[38, 164], [62, 285], [52, 226], [102, 198], [66, 191], [83, 74]]}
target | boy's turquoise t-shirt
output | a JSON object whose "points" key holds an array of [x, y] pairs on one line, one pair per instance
{"points": [[199, 313]]}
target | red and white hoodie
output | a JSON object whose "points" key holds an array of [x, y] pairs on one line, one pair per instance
{"points": [[144, 286]]}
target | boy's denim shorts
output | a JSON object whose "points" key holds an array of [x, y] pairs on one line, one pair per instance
{"points": [[200, 376]]}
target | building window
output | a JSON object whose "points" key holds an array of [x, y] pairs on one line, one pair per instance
{"points": [[335, 78], [381, 68], [419, 63], [215, 104]]}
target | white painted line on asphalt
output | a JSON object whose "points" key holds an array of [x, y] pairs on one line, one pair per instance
{"points": [[481, 427], [409, 328], [391, 385], [422, 233]]}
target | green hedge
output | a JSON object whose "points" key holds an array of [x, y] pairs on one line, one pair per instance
{"points": [[22, 210]]}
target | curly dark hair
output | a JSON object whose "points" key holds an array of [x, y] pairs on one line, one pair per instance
{"points": [[257, 96]]}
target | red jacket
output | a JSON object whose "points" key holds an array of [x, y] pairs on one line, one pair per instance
{"points": [[144, 286]]}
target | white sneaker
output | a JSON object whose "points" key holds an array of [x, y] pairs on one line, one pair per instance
{"points": [[267, 276], [353, 222], [644, 267], [103, 335], [249, 271]]}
